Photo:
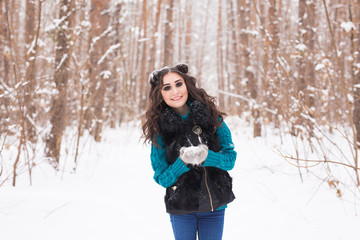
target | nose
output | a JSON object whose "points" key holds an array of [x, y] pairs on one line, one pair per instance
{"points": [[174, 90]]}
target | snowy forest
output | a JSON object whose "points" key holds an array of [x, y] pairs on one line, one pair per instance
{"points": [[287, 73], [289, 65]]}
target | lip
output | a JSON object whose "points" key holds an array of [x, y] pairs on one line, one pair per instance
{"points": [[177, 98]]}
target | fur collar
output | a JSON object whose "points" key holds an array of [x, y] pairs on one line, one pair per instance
{"points": [[172, 122]]}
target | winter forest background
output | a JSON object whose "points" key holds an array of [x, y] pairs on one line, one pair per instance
{"points": [[72, 68]]}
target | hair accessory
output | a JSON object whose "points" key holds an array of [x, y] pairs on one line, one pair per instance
{"points": [[182, 67], [154, 78]]}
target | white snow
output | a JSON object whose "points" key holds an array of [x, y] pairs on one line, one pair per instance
{"points": [[105, 74], [301, 47], [85, 23], [194, 154], [56, 24], [348, 26], [113, 194], [110, 50], [319, 66], [64, 57], [250, 69], [143, 39]]}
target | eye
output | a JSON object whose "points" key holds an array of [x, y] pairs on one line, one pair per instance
{"points": [[166, 88], [179, 84]]}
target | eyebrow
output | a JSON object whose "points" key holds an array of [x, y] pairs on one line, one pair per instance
{"points": [[175, 82]]}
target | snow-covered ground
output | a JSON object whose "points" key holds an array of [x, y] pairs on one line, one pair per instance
{"points": [[113, 196]]}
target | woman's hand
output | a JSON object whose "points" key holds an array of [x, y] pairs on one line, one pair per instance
{"points": [[195, 155]]}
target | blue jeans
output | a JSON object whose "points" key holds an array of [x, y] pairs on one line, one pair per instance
{"points": [[208, 226]]}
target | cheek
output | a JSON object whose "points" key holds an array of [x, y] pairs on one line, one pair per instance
{"points": [[164, 95], [185, 90]]}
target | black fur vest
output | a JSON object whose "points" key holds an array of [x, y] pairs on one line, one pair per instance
{"points": [[202, 189]]}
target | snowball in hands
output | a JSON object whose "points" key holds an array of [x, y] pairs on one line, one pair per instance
{"points": [[194, 154]]}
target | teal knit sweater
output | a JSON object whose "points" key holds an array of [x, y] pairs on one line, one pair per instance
{"points": [[167, 174]]}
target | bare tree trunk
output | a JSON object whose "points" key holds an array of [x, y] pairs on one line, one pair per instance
{"points": [[188, 32], [122, 90], [219, 58], [344, 86], [21, 142], [200, 57], [15, 26], [263, 58], [11, 19], [114, 95], [99, 74], [80, 128], [168, 44], [310, 44], [266, 46], [143, 73], [61, 77], [236, 80], [179, 18], [356, 76], [4, 72], [306, 75], [155, 36], [301, 84], [333, 102], [233, 57], [273, 83], [31, 40], [10, 66], [244, 7]]}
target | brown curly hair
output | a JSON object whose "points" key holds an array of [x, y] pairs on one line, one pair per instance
{"points": [[150, 126]]}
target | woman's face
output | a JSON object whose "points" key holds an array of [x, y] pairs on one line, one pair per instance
{"points": [[174, 92]]}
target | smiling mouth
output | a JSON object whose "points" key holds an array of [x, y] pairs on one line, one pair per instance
{"points": [[177, 98]]}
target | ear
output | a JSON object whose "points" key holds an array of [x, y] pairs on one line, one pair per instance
{"points": [[182, 67], [154, 78]]}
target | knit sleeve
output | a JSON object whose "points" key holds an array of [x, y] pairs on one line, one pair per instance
{"points": [[225, 158], [165, 174]]}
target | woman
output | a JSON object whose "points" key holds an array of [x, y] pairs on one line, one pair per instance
{"points": [[191, 152]]}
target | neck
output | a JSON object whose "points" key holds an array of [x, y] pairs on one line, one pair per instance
{"points": [[182, 110]]}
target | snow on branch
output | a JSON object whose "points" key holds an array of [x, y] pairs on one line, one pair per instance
{"points": [[61, 62], [247, 100], [348, 26], [110, 50], [97, 38]]}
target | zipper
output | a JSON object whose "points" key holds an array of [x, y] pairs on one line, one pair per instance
{"points": [[208, 189]]}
